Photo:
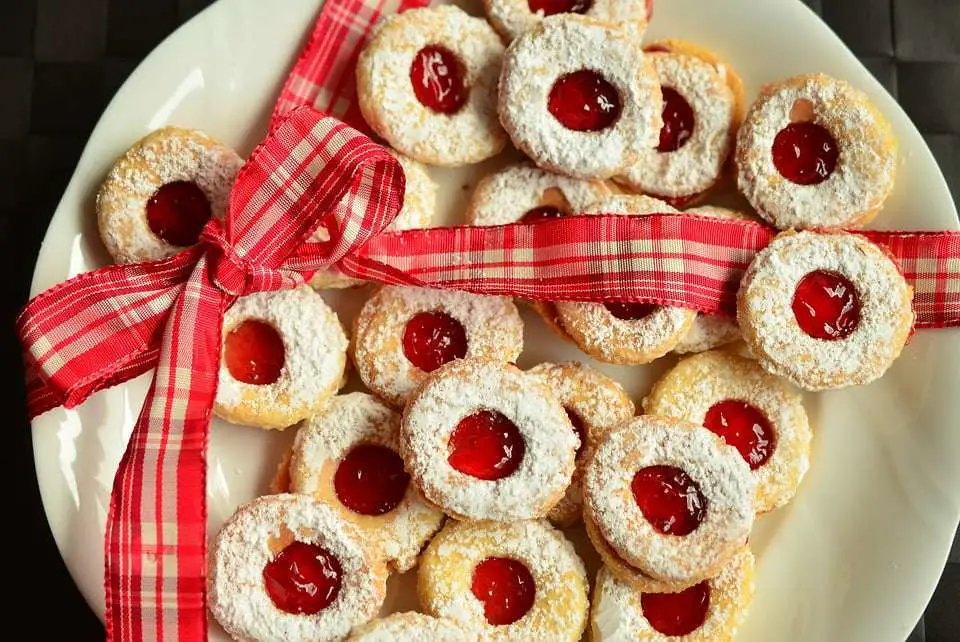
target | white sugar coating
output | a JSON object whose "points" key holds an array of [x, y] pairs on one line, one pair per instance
{"points": [[506, 195], [617, 613], [559, 612], [462, 388], [492, 325], [697, 383], [412, 627], [315, 349], [514, 17], [719, 471], [630, 204], [253, 536], [322, 443], [864, 174], [563, 44], [166, 155], [390, 106], [698, 163], [770, 328]]}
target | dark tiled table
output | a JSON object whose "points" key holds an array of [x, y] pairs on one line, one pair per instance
{"points": [[62, 60]]}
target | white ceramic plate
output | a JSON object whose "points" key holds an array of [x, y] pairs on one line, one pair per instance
{"points": [[855, 557]]}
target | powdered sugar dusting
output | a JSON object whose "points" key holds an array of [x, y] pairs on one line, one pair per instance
{"points": [[412, 627], [514, 17]]}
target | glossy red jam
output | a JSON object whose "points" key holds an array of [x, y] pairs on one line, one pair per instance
{"points": [[584, 101], [826, 305], [805, 153], [371, 480], [745, 428], [542, 213], [678, 121], [486, 445], [669, 499], [177, 213], [253, 352], [630, 311], [303, 578], [505, 587], [579, 428], [432, 339], [439, 80], [676, 614], [550, 7]]}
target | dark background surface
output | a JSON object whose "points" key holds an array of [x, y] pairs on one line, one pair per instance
{"points": [[62, 60]]}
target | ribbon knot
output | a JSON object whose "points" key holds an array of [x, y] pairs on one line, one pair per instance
{"points": [[235, 275]]}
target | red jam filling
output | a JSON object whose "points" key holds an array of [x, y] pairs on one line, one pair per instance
{"points": [[177, 213], [542, 213], [439, 80], [743, 427], [550, 7], [371, 480], [253, 352], [678, 121], [656, 49], [432, 339], [486, 445], [579, 428], [669, 499], [630, 311], [826, 305], [505, 587], [584, 101], [303, 578], [676, 614], [805, 153]]}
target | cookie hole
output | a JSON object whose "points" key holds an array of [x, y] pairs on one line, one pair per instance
{"points": [[805, 153], [486, 445], [439, 80], [303, 578], [826, 305], [371, 480], [177, 212], [669, 499], [506, 588], [584, 101], [677, 614], [745, 428], [678, 121], [431, 339], [627, 311], [254, 353], [551, 7]]}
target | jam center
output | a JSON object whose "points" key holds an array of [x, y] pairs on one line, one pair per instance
{"points": [[743, 427], [371, 480], [678, 121], [579, 428], [630, 311], [676, 614], [486, 445], [439, 80], [826, 305], [505, 587], [542, 213], [669, 499], [177, 213], [432, 339], [551, 7], [805, 153], [303, 578], [254, 353], [584, 101]]}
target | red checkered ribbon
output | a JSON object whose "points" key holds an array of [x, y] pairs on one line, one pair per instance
{"points": [[104, 327]]}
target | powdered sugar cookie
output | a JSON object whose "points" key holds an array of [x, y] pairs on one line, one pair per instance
{"points": [[671, 498], [412, 627], [347, 457], [427, 83], [824, 310], [594, 403], [514, 17], [752, 410], [711, 611], [814, 152], [579, 96], [526, 193], [404, 333], [162, 191], [286, 567], [518, 582], [284, 355], [484, 440]]}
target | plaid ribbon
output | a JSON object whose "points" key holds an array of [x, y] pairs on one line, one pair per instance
{"points": [[102, 328]]}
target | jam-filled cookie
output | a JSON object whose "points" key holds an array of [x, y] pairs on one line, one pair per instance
{"points": [[484, 440], [756, 412], [814, 152], [284, 355], [347, 457], [403, 333], [286, 567], [162, 191], [824, 310], [711, 611], [412, 627], [511, 582], [580, 97], [514, 17], [427, 83], [529, 194], [594, 403], [670, 497], [419, 206]]}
